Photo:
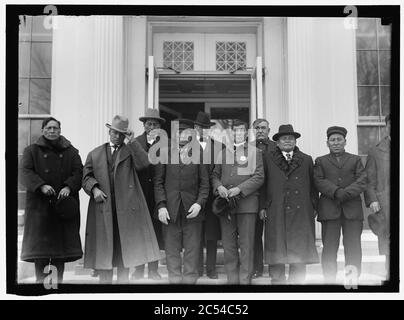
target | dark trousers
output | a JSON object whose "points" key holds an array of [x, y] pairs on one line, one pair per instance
{"points": [[331, 231], [238, 231], [211, 253], [258, 249], [178, 235], [297, 273], [40, 265]]}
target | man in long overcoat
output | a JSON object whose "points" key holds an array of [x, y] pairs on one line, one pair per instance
{"points": [[211, 225], [181, 190], [341, 178], [151, 123], [239, 175], [377, 193], [289, 205], [50, 169], [119, 231], [262, 141]]}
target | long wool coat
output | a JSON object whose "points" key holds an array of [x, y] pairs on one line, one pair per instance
{"points": [[378, 188], [290, 199], [138, 240], [45, 234]]}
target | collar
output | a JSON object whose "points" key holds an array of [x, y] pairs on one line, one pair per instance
{"points": [[265, 141], [239, 144], [112, 145], [290, 152]]}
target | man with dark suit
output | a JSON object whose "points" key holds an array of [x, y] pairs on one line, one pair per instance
{"points": [[181, 189], [151, 123], [262, 142], [211, 225], [239, 175], [341, 178]]}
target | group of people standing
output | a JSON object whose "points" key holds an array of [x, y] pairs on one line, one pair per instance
{"points": [[262, 205]]}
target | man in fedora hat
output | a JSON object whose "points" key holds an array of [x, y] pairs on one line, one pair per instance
{"points": [[288, 209], [181, 189], [119, 231], [377, 193], [151, 123], [240, 174], [265, 144], [211, 226], [340, 178]]}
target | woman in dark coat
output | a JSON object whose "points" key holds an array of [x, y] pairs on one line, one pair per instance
{"points": [[51, 169]]}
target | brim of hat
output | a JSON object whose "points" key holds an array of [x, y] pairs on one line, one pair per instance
{"points": [[116, 129], [143, 119], [334, 132], [277, 135], [204, 124]]}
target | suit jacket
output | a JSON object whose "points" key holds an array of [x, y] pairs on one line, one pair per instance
{"points": [[349, 175], [181, 183], [248, 176]]}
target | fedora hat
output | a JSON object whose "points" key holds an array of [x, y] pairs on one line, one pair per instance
{"points": [[67, 208], [377, 223], [152, 114], [185, 123], [222, 206], [119, 123], [285, 130], [203, 120]]}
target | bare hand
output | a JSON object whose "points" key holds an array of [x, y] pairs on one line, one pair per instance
{"points": [[163, 215], [263, 214], [223, 192], [129, 135], [194, 211], [375, 206], [99, 196], [48, 190], [234, 192], [65, 192]]}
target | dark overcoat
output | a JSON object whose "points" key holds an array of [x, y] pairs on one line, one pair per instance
{"points": [[378, 187], [45, 234], [348, 174], [138, 240], [175, 183], [246, 172], [146, 181], [290, 200]]}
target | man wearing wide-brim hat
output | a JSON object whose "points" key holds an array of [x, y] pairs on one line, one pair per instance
{"points": [[377, 194], [288, 209], [181, 189], [211, 234], [340, 178], [152, 123], [119, 230]]}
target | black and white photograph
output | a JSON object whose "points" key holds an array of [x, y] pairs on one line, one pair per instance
{"points": [[202, 148]]}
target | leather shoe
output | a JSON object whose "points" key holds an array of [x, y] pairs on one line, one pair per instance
{"points": [[212, 275], [257, 275], [154, 275]]}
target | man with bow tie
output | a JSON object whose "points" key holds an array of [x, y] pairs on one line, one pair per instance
{"points": [[152, 123], [341, 178], [181, 188], [119, 231], [288, 209]]}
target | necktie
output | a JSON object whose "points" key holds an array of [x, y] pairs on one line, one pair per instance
{"points": [[288, 157], [114, 152]]}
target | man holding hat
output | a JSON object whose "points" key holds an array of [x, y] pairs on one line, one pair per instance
{"points": [[211, 226], [340, 178], [119, 231], [288, 209], [181, 189], [377, 193], [151, 123]]}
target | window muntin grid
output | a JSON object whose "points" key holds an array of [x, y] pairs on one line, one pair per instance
{"points": [[178, 55], [231, 55]]}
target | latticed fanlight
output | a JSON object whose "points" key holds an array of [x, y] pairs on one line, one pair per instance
{"points": [[230, 56], [178, 55]]}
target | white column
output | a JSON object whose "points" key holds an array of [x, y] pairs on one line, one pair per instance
{"points": [[108, 72]]}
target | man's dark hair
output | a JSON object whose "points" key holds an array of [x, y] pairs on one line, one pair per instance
{"points": [[47, 120], [260, 120], [237, 123]]}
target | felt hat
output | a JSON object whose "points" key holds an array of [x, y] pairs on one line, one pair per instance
{"points": [[119, 123], [152, 114], [203, 120], [285, 130]]}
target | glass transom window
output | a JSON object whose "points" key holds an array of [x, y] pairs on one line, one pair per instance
{"points": [[230, 56], [178, 55]]}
